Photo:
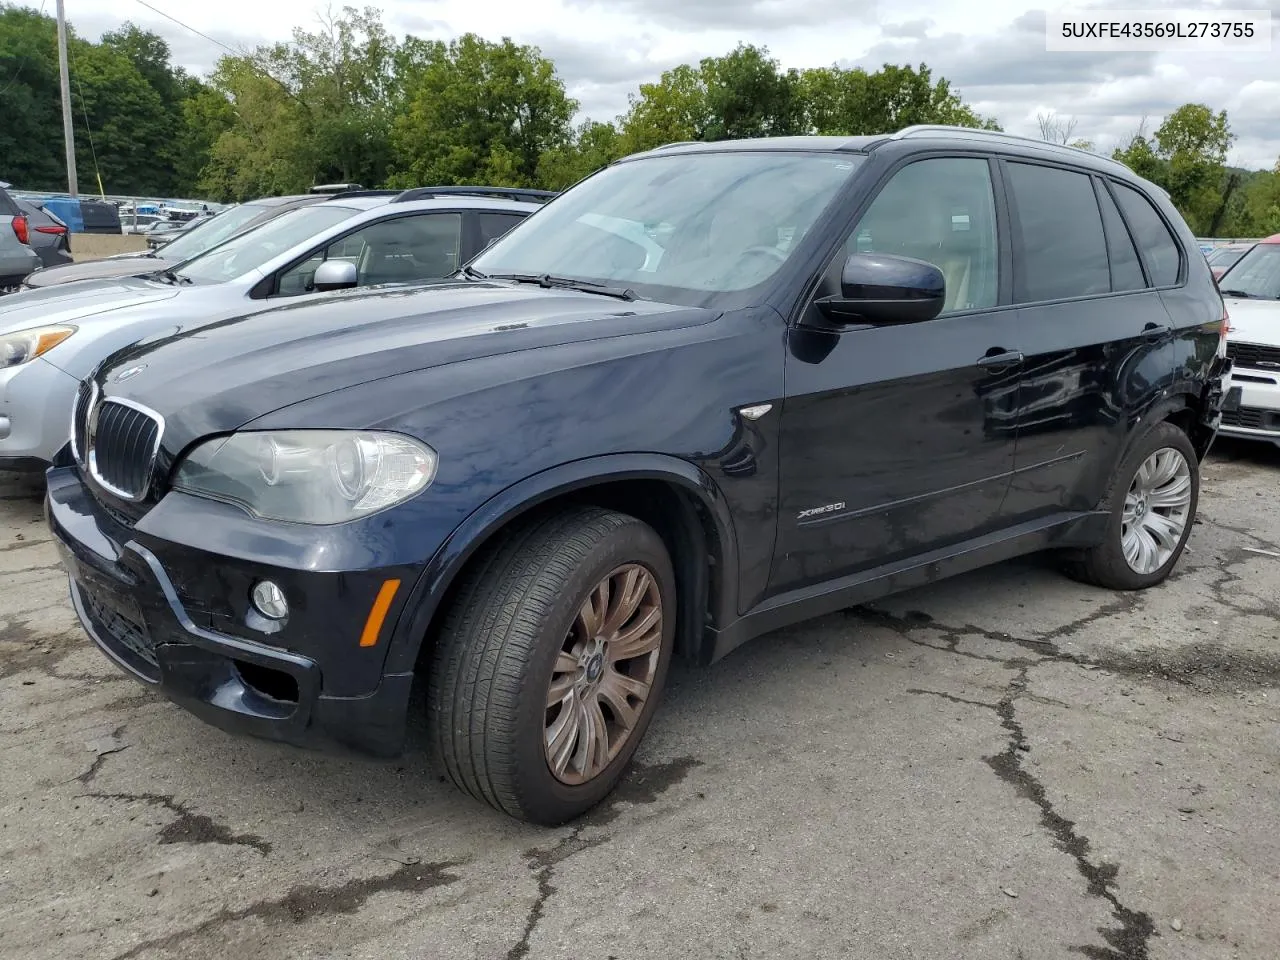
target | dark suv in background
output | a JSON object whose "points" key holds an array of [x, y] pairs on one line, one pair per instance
{"points": [[17, 257], [712, 390]]}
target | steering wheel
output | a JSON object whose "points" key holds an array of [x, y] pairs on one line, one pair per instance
{"points": [[768, 251]]}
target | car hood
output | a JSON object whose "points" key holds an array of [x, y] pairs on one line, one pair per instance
{"points": [[96, 269], [218, 376], [1254, 321], [77, 303]]}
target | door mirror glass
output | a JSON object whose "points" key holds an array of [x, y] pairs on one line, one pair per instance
{"points": [[335, 275], [880, 288]]}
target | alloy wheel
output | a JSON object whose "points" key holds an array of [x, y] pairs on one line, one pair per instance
{"points": [[603, 674], [1156, 511]]}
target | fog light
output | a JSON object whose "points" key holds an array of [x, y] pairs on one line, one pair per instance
{"points": [[269, 600]]}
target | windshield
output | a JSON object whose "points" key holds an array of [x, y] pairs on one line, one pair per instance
{"points": [[205, 236], [1224, 257], [255, 247], [682, 228], [1256, 275]]}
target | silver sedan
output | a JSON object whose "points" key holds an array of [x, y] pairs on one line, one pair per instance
{"points": [[53, 337]]}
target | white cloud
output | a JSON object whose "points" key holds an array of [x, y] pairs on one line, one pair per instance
{"points": [[605, 48]]}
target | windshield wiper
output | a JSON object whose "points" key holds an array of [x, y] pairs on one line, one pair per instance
{"points": [[547, 281], [1242, 295], [471, 273], [172, 277]]}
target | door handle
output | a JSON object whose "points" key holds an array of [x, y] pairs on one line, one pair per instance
{"points": [[1001, 359], [1154, 331]]}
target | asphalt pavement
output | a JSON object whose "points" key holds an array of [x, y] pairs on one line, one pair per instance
{"points": [[1004, 765]]}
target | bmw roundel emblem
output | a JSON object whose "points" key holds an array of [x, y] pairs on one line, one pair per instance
{"points": [[131, 372]]}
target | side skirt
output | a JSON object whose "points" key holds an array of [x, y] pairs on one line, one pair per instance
{"points": [[1053, 532]]}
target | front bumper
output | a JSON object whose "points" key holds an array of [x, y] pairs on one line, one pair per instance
{"points": [[35, 412], [1251, 409], [129, 605]]}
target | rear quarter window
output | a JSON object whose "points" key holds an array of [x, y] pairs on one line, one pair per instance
{"points": [[1159, 247]]}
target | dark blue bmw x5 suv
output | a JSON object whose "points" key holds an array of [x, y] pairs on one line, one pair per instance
{"points": [[711, 390]]}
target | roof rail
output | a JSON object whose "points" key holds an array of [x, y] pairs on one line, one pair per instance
{"points": [[363, 193], [677, 143], [925, 129], [335, 187], [527, 195]]}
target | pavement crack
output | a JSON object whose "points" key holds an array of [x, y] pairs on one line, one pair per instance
{"points": [[306, 902], [87, 777], [952, 698], [189, 827], [1130, 940], [544, 863]]}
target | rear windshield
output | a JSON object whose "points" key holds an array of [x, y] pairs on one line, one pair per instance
{"points": [[1256, 276]]}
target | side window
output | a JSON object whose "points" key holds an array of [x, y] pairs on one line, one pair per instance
{"points": [[1154, 239], [1126, 268], [1063, 251], [941, 210], [494, 225], [422, 247]]}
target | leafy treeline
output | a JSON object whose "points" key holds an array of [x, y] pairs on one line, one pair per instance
{"points": [[350, 102]]}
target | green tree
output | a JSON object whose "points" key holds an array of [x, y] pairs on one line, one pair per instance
{"points": [[1187, 157], [748, 95], [593, 145], [30, 117], [478, 112], [852, 102], [674, 108], [315, 109]]}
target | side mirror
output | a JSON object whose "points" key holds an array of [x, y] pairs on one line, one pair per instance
{"points": [[879, 288], [335, 275]]}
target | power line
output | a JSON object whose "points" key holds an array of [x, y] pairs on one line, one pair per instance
{"points": [[238, 53]]}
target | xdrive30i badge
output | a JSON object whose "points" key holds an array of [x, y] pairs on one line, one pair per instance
{"points": [[819, 511]]}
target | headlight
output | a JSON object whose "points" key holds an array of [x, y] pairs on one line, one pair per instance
{"points": [[23, 345], [309, 476]]}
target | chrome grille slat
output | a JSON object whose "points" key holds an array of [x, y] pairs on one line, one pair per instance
{"points": [[80, 419], [1253, 355], [117, 440]]}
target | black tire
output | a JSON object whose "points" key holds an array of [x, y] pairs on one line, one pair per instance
{"points": [[488, 681], [1104, 565]]}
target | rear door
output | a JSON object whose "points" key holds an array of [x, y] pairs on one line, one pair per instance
{"points": [[1093, 331]]}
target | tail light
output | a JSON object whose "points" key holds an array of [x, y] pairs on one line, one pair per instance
{"points": [[52, 228], [20, 229]]}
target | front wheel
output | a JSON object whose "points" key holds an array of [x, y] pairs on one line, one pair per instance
{"points": [[1152, 503], [550, 662]]}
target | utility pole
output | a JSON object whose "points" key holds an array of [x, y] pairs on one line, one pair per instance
{"points": [[67, 133]]}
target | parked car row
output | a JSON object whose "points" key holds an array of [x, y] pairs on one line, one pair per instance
{"points": [[63, 324], [1251, 288], [709, 391]]}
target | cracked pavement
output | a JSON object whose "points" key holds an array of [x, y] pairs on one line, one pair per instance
{"points": [[1005, 765]]}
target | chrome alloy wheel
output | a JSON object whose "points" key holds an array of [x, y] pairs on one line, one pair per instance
{"points": [[603, 674], [1157, 509]]}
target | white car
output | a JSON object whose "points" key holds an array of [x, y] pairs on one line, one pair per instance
{"points": [[1251, 290]]}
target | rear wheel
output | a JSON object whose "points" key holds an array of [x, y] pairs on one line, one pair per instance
{"points": [[550, 662], [1152, 503]]}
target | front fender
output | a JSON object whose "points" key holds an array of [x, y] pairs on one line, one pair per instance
{"points": [[423, 602]]}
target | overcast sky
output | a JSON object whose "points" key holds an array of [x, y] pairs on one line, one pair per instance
{"points": [[993, 51]]}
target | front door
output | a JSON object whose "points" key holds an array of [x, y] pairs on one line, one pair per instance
{"points": [[899, 440]]}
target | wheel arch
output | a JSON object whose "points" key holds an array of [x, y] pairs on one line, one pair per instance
{"points": [[673, 496], [1182, 409]]}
